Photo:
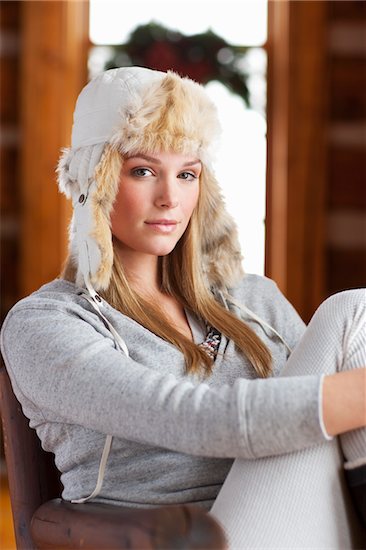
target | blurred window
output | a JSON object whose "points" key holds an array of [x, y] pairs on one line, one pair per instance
{"points": [[241, 163]]}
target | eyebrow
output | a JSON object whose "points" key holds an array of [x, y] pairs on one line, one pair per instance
{"points": [[157, 161]]}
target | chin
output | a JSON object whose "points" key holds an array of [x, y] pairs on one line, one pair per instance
{"points": [[162, 250], [162, 246]]}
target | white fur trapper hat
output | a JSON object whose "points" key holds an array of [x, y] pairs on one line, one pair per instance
{"points": [[138, 110]]}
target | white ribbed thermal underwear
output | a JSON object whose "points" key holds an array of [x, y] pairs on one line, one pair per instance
{"points": [[299, 500]]}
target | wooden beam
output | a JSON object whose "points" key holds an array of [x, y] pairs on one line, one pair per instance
{"points": [[277, 154], [55, 41], [297, 82]]}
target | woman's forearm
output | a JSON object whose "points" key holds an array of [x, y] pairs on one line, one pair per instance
{"points": [[344, 401]]}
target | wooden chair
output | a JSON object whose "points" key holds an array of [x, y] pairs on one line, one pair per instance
{"points": [[43, 520]]}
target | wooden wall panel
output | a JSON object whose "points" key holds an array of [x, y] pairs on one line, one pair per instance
{"points": [[10, 24], [9, 177], [9, 15], [346, 178], [346, 185], [9, 69], [348, 269], [347, 9], [55, 40], [348, 88]]}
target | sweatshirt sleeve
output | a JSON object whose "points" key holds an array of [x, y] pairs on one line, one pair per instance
{"points": [[74, 374]]}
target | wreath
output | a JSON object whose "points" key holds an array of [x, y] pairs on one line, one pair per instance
{"points": [[203, 57]]}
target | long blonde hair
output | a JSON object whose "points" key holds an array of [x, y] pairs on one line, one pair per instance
{"points": [[191, 290]]}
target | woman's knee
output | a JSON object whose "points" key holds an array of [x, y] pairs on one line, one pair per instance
{"points": [[344, 314], [346, 307]]}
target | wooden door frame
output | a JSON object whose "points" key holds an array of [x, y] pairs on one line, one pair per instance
{"points": [[297, 85], [55, 42]]}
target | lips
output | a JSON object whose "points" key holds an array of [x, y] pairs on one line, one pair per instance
{"points": [[163, 221], [162, 226]]}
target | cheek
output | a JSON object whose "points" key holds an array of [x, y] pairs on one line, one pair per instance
{"points": [[126, 208], [190, 201]]}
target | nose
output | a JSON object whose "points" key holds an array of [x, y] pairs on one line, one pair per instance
{"points": [[167, 192]]}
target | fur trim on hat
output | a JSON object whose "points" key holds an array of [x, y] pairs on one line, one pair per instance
{"points": [[221, 254], [174, 114], [170, 114]]}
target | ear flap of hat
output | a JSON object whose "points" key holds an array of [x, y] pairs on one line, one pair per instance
{"points": [[92, 195], [76, 169], [221, 254]]}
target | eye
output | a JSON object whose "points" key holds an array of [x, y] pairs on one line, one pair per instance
{"points": [[141, 172], [188, 176]]}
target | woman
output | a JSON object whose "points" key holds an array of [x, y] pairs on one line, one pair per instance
{"points": [[152, 337]]}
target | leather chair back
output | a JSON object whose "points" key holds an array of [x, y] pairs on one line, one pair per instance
{"points": [[33, 476]]}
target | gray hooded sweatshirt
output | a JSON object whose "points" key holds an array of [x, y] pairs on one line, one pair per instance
{"points": [[174, 435]]}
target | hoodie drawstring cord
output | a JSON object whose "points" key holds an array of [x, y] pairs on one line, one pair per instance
{"points": [[96, 301]]}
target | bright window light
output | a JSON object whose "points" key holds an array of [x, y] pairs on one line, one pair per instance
{"points": [[241, 171], [241, 22], [241, 160]]}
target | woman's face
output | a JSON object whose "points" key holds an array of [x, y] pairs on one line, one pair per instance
{"points": [[156, 197]]}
